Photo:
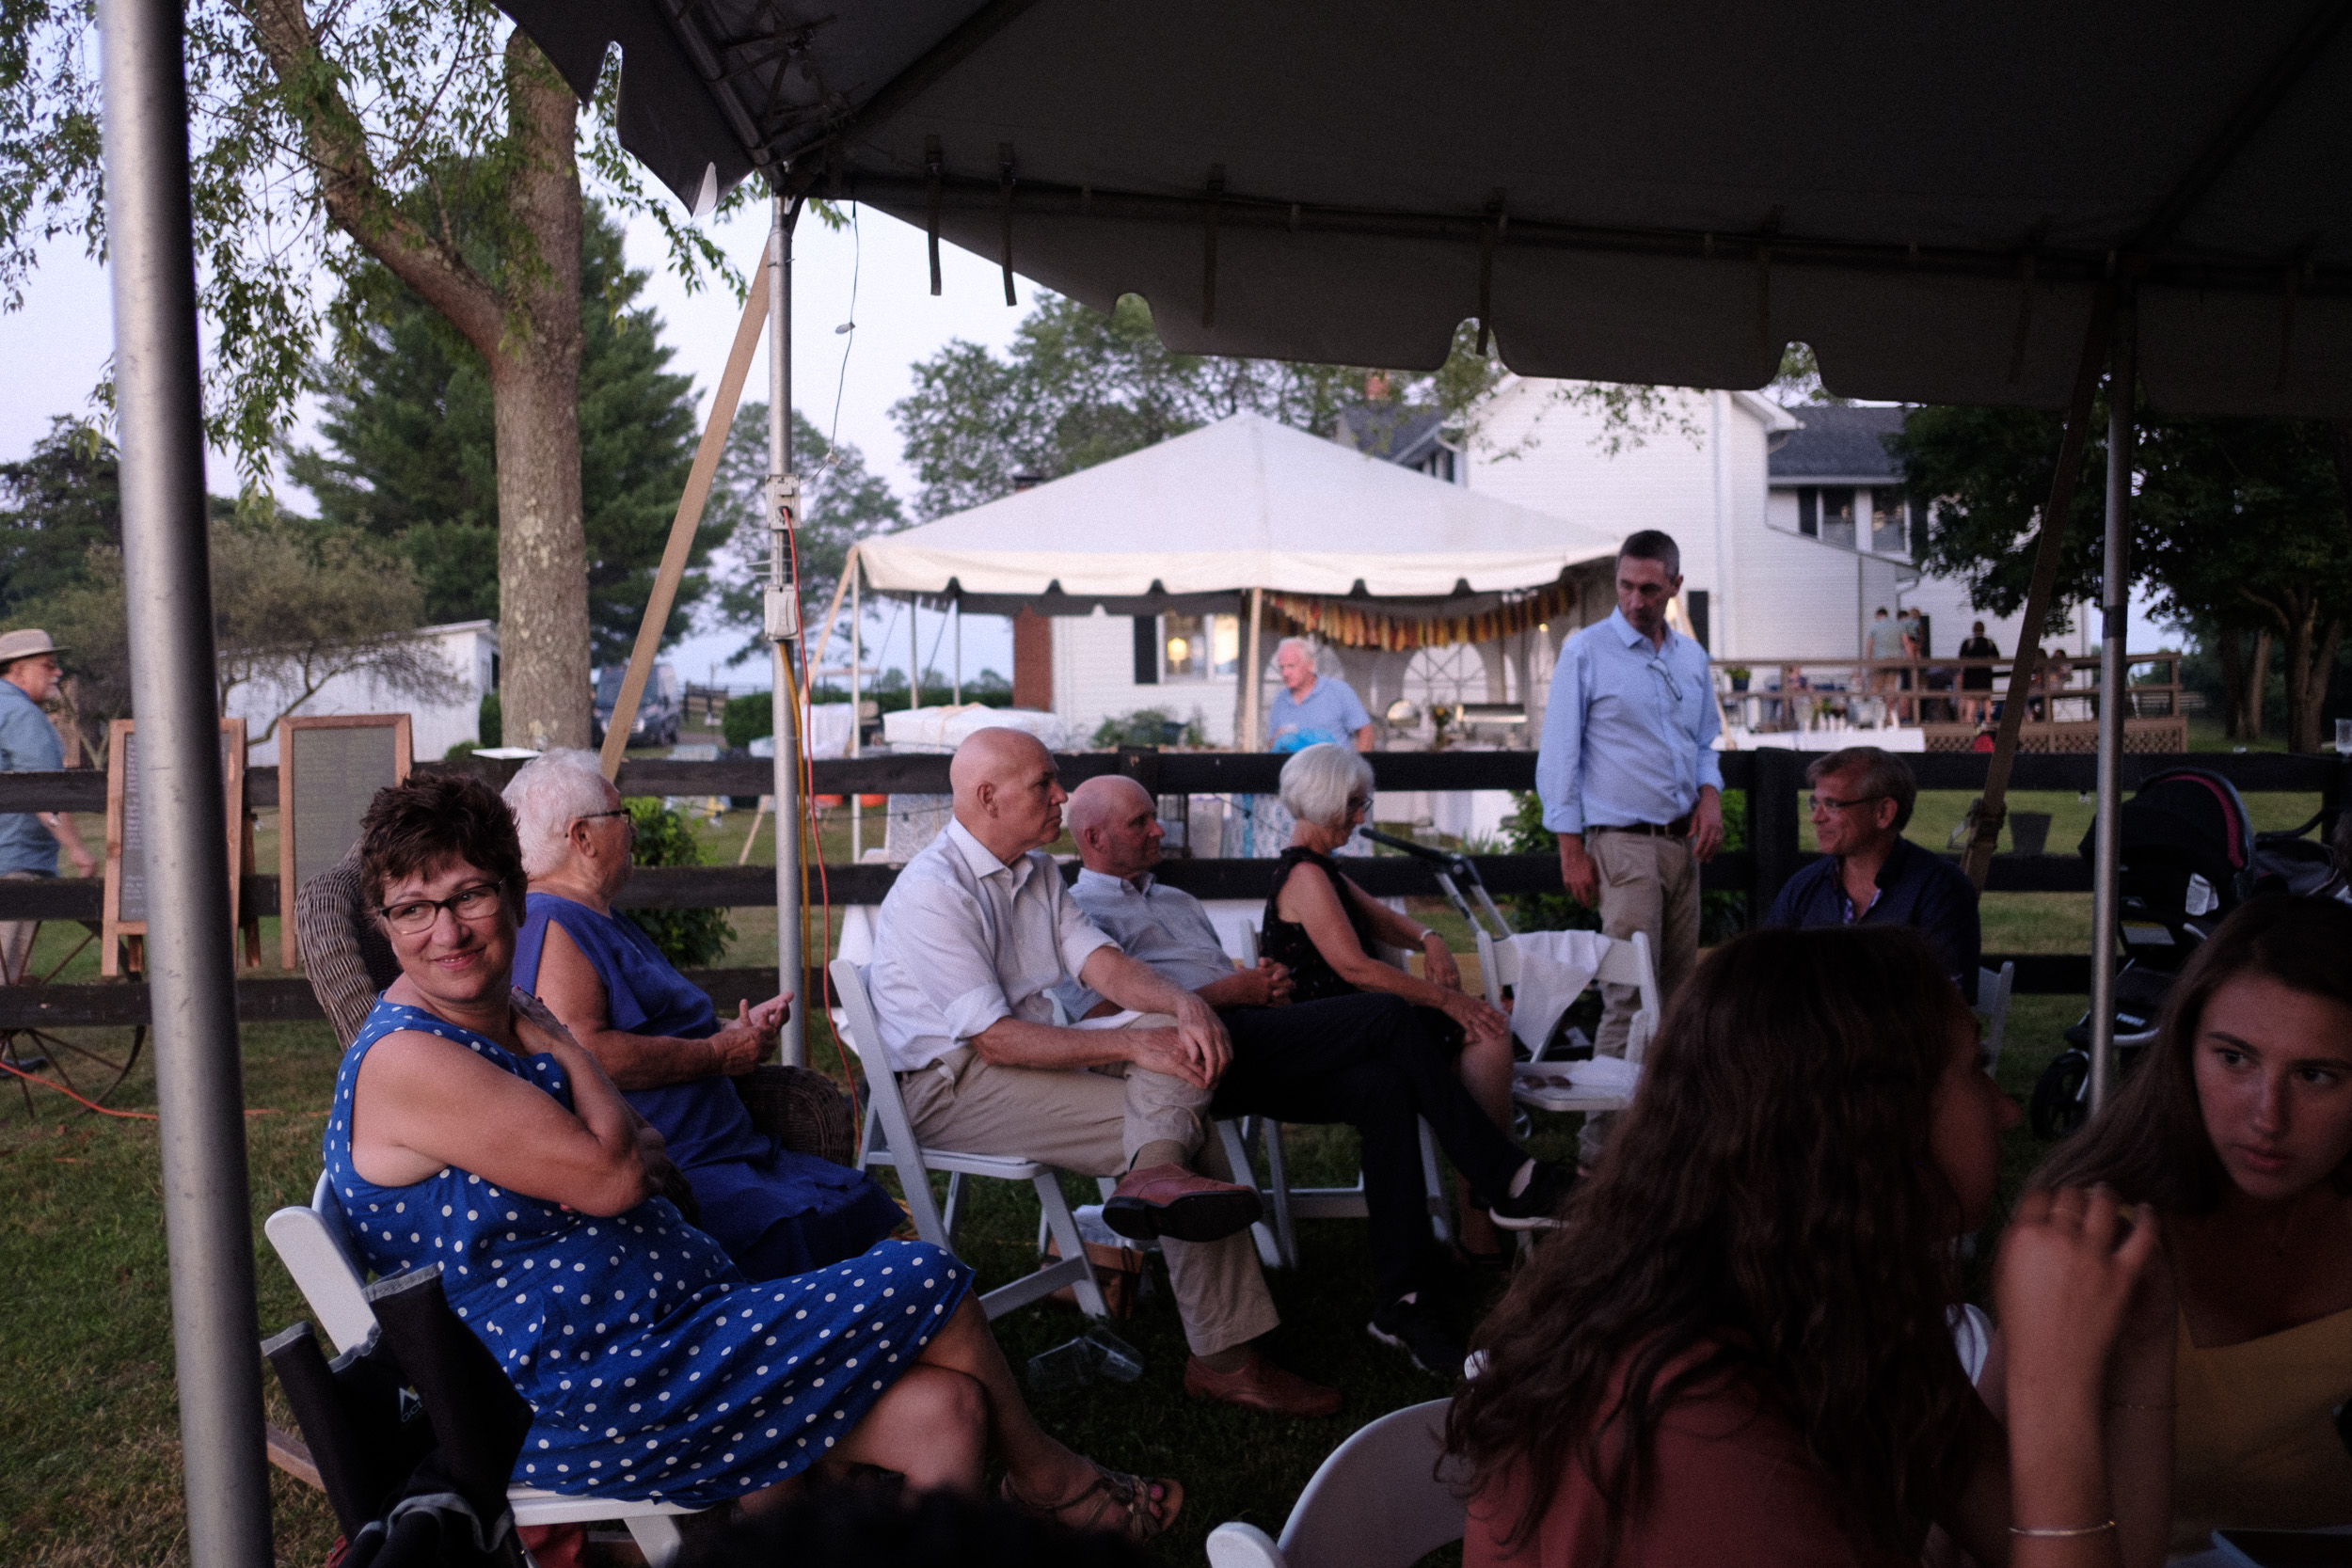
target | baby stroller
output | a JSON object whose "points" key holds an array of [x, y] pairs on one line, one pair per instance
{"points": [[2189, 856]]}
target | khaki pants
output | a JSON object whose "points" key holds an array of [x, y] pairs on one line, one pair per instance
{"points": [[16, 937], [1092, 1121], [1647, 884]]}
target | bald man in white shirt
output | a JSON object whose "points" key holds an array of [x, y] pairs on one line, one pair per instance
{"points": [[974, 933]]}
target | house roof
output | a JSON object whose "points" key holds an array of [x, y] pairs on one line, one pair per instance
{"points": [[1396, 433], [1834, 442]]}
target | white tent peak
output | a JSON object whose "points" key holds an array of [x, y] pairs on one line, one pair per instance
{"points": [[1245, 502]]}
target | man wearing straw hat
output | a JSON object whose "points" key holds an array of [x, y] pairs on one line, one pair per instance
{"points": [[28, 744]]}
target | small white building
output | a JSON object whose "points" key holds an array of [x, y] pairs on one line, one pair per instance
{"points": [[468, 649]]}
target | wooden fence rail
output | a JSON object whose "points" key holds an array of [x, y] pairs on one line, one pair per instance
{"points": [[1773, 780]]}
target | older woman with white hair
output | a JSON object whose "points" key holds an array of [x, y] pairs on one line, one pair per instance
{"points": [[1327, 930], [776, 1212]]}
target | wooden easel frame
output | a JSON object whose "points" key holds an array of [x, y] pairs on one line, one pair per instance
{"points": [[115, 931], [290, 956]]}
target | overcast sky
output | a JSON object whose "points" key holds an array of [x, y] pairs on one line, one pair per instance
{"points": [[876, 273]]}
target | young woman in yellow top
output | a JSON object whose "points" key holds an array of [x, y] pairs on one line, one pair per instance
{"points": [[2238, 1131]]}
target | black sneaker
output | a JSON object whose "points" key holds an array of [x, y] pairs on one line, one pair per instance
{"points": [[1419, 1333], [1538, 1206]]}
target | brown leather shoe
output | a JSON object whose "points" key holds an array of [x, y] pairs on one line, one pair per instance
{"points": [[1169, 1200], [1261, 1386]]}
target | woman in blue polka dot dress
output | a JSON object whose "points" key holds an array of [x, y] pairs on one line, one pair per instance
{"points": [[468, 1130]]}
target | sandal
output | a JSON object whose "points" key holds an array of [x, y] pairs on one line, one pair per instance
{"points": [[1121, 1503]]}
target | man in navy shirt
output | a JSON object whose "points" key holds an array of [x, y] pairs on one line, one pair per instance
{"points": [[28, 743], [1862, 798]]}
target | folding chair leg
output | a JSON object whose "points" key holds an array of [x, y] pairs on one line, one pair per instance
{"points": [[1439, 1223], [1064, 1226], [656, 1536], [915, 1182], [1236, 1140], [954, 1207], [1277, 1179]]}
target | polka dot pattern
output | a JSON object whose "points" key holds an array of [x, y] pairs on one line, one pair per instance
{"points": [[652, 1370]]}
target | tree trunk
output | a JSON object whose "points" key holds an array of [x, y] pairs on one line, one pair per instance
{"points": [[2250, 697], [2233, 656], [2307, 681], [535, 387]]}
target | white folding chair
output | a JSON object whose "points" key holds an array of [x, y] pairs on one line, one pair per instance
{"points": [[1993, 993], [1544, 1085], [889, 1140], [1292, 1204], [316, 1246], [1380, 1500]]}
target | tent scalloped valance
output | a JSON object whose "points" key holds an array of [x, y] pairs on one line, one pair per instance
{"points": [[1346, 623]]}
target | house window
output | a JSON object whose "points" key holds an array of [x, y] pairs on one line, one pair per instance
{"points": [[1918, 528], [1694, 604], [1889, 527], [1809, 511], [1200, 647], [1838, 515]]}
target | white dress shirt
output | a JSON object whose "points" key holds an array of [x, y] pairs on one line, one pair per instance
{"points": [[963, 939]]}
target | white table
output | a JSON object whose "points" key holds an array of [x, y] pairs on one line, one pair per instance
{"points": [[1822, 741]]}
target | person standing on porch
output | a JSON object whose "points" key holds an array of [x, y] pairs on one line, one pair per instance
{"points": [[1312, 710], [1629, 780]]}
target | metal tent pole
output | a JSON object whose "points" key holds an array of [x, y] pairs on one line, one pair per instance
{"points": [[956, 610], [2114, 698], [857, 708], [914, 653], [200, 1083], [783, 630]]}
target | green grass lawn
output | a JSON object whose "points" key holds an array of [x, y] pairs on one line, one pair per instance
{"points": [[89, 1420]]}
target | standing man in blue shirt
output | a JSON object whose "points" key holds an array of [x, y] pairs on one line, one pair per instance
{"points": [[1629, 780], [1310, 710], [28, 744], [1868, 872]]}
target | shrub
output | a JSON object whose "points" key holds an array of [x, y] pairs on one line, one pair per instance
{"points": [[1721, 916], [687, 938], [1146, 726], [747, 719], [491, 724]]}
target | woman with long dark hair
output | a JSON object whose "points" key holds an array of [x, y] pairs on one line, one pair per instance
{"points": [[1739, 1347], [2237, 1130]]}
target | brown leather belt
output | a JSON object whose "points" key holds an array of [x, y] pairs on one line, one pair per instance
{"points": [[1679, 828]]}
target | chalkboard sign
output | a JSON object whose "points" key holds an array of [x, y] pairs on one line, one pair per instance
{"points": [[329, 770], [125, 908]]}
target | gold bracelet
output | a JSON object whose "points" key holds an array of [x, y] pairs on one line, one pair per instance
{"points": [[2060, 1534]]}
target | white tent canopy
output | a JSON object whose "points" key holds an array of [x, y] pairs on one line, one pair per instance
{"points": [[1244, 503]]}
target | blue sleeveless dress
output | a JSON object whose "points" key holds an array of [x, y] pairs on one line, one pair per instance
{"points": [[775, 1210], [652, 1369]]}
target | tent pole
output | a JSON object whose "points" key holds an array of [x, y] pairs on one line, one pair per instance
{"points": [[784, 629], [2048, 543], [200, 1085], [1254, 706], [857, 710], [2114, 698], [914, 653], [956, 610]]}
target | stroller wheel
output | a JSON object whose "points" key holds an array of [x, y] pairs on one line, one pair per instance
{"points": [[2061, 1096]]}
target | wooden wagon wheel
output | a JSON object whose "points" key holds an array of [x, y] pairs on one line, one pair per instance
{"points": [[91, 1072]]}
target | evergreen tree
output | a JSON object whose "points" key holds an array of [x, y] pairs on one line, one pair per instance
{"points": [[56, 503], [411, 428]]}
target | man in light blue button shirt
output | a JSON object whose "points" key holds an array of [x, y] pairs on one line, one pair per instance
{"points": [[1629, 775]]}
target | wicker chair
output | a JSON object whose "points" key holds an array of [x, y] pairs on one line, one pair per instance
{"points": [[349, 962]]}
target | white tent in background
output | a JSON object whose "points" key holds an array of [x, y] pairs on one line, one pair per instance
{"points": [[1212, 521], [1243, 504]]}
